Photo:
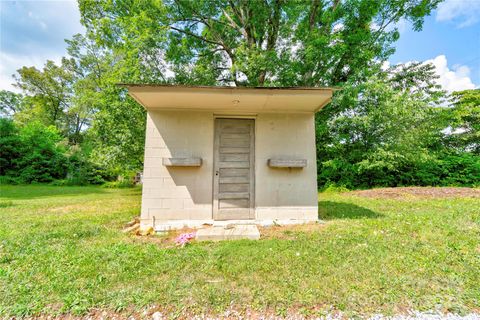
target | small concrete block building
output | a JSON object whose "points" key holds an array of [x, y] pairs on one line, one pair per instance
{"points": [[221, 155]]}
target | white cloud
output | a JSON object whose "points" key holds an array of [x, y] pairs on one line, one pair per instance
{"points": [[463, 12], [37, 20], [33, 32], [455, 79], [10, 63]]}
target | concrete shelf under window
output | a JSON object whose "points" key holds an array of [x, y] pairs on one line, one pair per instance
{"points": [[287, 163], [182, 162]]}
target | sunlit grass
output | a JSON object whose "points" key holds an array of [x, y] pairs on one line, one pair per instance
{"points": [[62, 251]]}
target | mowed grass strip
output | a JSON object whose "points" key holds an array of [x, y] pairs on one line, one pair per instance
{"points": [[62, 251]]}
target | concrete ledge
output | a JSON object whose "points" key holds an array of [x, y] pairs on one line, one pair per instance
{"points": [[182, 162], [166, 225], [287, 163], [233, 232]]}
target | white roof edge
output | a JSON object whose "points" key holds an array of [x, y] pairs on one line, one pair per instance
{"points": [[166, 87], [235, 99]]}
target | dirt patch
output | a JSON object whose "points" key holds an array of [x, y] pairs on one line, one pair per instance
{"points": [[284, 232], [164, 313], [320, 312], [289, 232], [422, 192]]}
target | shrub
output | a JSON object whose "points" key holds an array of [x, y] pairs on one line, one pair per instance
{"points": [[444, 169], [119, 184], [82, 171], [32, 153], [461, 169], [36, 153], [41, 157], [10, 147], [9, 180]]}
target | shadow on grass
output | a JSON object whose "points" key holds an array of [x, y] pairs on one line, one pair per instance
{"points": [[329, 210], [40, 191]]}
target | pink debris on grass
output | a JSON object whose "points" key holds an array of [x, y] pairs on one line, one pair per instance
{"points": [[184, 238]]}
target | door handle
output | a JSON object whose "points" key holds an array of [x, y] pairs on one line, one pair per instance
{"points": [[216, 173]]}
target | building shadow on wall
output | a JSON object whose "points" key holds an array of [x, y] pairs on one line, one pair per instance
{"points": [[184, 135], [329, 210]]}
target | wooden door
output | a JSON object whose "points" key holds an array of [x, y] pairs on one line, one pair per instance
{"points": [[233, 181]]}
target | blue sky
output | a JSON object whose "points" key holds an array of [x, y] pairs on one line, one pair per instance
{"points": [[33, 31]]}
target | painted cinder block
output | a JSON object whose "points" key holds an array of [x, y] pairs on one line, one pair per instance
{"points": [[186, 193], [174, 203], [156, 152], [161, 192], [155, 142]]}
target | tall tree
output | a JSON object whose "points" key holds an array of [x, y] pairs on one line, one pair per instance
{"points": [[117, 128], [254, 43], [51, 97], [465, 125], [376, 130], [10, 103], [229, 42]]}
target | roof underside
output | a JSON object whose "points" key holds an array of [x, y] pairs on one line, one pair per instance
{"points": [[230, 99]]}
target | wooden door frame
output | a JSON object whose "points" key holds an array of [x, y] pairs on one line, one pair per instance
{"points": [[216, 160]]}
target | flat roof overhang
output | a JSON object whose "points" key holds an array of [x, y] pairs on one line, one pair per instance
{"points": [[230, 99]]}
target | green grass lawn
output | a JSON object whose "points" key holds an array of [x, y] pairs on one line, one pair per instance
{"points": [[62, 251]]}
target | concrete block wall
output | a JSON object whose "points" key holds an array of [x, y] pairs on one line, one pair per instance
{"points": [[177, 193], [185, 193], [284, 193]]}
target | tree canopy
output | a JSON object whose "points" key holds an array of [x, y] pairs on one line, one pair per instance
{"points": [[252, 43], [384, 127], [466, 121]]}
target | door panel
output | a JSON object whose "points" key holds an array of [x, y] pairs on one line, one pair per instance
{"points": [[234, 187], [234, 203], [234, 172], [232, 180], [234, 164], [233, 196], [235, 157], [234, 150]]}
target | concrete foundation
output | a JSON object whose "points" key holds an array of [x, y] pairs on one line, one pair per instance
{"points": [[228, 232]]}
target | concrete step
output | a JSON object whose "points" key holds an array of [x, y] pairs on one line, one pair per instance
{"points": [[229, 232]]}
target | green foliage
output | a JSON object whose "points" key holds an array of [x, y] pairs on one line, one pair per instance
{"points": [[10, 146], [126, 183], [30, 153], [283, 43], [252, 43], [443, 170], [42, 156], [466, 121], [38, 153], [383, 128], [117, 132], [82, 171], [388, 131], [50, 98], [332, 187], [458, 169], [10, 103]]}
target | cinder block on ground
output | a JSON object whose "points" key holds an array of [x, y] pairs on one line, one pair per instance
{"points": [[234, 232]]}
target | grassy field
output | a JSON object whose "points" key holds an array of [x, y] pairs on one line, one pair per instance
{"points": [[62, 251]]}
